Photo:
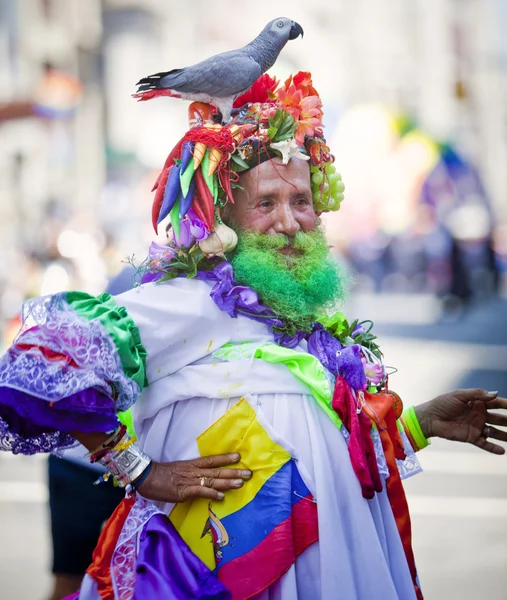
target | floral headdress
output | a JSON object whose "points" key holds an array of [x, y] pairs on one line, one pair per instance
{"points": [[269, 120]]}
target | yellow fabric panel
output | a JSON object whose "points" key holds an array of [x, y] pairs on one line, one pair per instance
{"points": [[238, 430]]}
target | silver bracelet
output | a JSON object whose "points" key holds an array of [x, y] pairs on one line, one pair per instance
{"points": [[125, 465]]}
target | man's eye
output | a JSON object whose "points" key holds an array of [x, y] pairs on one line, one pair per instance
{"points": [[302, 201], [265, 204]]}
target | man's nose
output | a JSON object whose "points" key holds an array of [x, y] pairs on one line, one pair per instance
{"points": [[286, 222]]}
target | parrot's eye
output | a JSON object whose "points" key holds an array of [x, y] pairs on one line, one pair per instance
{"points": [[280, 23]]}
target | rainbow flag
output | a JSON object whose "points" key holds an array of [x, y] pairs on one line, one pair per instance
{"points": [[256, 533]]}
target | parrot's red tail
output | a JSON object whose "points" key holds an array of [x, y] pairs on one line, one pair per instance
{"points": [[149, 94]]}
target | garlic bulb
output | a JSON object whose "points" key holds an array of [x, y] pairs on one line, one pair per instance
{"points": [[222, 239]]}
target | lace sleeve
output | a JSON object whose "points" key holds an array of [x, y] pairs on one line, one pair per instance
{"points": [[77, 361]]}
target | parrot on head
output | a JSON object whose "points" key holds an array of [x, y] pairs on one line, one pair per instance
{"points": [[220, 79]]}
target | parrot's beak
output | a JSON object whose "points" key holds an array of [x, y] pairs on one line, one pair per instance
{"points": [[295, 31]]}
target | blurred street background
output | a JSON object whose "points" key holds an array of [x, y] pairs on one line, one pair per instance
{"points": [[415, 99]]}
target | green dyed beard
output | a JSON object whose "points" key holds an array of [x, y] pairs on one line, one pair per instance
{"points": [[297, 287]]}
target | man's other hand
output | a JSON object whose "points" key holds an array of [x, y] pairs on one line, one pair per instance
{"points": [[466, 416]]}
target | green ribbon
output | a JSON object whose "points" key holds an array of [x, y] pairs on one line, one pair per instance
{"points": [[305, 367], [127, 419]]}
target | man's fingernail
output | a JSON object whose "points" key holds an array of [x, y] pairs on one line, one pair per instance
{"points": [[220, 496], [246, 473], [237, 482], [235, 456], [493, 394]]}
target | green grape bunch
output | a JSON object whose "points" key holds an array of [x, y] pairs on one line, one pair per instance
{"points": [[327, 187]]}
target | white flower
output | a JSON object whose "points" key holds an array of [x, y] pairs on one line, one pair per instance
{"points": [[289, 149]]}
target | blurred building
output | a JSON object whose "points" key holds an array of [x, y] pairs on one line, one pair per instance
{"points": [[52, 160]]}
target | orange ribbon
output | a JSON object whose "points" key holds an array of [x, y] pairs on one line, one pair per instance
{"points": [[100, 570], [379, 407]]}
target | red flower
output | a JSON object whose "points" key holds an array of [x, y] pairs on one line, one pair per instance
{"points": [[261, 91], [302, 81]]}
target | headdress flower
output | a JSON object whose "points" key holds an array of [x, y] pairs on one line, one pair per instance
{"points": [[199, 174]]}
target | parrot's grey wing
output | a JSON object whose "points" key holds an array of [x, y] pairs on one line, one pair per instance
{"points": [[223, 75]]}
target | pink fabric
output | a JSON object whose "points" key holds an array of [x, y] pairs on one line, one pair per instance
{"points": [[361, 449]]}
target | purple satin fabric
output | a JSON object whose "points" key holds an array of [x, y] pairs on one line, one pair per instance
{"points": [[167, 568], [36, 425], [237, 299], [289, 341], [150, 277]]}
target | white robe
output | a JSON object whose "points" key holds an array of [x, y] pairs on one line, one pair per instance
{"points": [[359, 555]]}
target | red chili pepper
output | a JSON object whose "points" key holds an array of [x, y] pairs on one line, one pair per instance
{"points": [[199, 210], [159, 197], [175, 152], [206, 199], [225, 182]]}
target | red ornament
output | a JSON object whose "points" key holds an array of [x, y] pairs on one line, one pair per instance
{"points": [[262, 90]]}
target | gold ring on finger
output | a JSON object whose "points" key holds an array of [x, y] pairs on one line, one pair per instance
{"points": [[203, 481]]}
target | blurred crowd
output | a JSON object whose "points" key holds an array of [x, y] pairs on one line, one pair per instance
{"points": [[441, 238]]}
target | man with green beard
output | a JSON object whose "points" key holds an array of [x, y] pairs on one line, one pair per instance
{"points": [[233, 346], [282, 253]]}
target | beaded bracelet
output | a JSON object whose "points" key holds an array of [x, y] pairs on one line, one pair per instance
{"points": [[112, 441], [413, 429]]}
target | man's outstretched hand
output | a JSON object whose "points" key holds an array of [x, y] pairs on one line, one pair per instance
{"points": [[466, 416], [205, 477]]}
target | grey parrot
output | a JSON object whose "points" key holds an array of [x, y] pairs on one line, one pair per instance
{"points": [[220, 79]]}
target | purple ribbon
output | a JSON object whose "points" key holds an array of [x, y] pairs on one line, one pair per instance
{"points": [[237, 299]]}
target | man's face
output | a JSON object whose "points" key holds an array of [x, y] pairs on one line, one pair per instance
{"points": [[281, 253], [275, 199]]}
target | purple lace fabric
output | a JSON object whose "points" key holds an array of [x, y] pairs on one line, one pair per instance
{"points": [[123, 561], [91, 359], [61, 373]]}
